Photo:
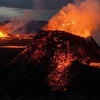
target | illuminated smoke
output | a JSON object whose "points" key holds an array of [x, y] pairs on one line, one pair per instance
{"points": [[77, 2]]}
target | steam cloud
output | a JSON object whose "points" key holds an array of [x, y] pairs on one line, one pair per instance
{"points": [[92, 7], [26, 17], [16, 23]]}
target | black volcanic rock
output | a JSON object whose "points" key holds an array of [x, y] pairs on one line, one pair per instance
{"points": [[55, 60], [84, 78]]}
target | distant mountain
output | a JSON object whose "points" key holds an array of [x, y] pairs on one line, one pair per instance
{"points": [[22, 26], [4, 22], [30, 27]]}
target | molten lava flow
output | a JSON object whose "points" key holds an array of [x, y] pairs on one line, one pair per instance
{"points": [[3, 35], [79, 20], [59, 77], [95, 64]]}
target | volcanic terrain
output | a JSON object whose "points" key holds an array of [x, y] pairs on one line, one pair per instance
{"points": [[54, 61]]}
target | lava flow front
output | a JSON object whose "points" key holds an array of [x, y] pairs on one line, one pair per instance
{"points": [[6, 36]]}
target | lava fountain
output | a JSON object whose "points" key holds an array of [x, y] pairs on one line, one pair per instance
{"points": [[79, 20]]}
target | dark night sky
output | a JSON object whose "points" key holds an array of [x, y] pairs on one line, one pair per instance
{"points": [[35, 4], [14, 8]]}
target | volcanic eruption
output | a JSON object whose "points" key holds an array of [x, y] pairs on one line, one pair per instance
{"points": [[79, 20], [61, 46]]}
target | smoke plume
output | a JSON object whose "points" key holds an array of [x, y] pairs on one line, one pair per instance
{"points": [[77, 2], [16, 23]]}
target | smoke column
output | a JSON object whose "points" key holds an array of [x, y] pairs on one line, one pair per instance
{"points": [[38, 4], [16, 23]]}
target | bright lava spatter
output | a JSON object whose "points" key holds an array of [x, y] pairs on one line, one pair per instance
{"points": [[3, 35]]}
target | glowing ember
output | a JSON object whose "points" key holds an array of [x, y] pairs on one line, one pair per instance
{"points": [[3, 35], [95, 64], [79, 20]]}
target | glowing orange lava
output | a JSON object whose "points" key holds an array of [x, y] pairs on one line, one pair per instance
{"points": [[95, 64], [3, 35]]}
